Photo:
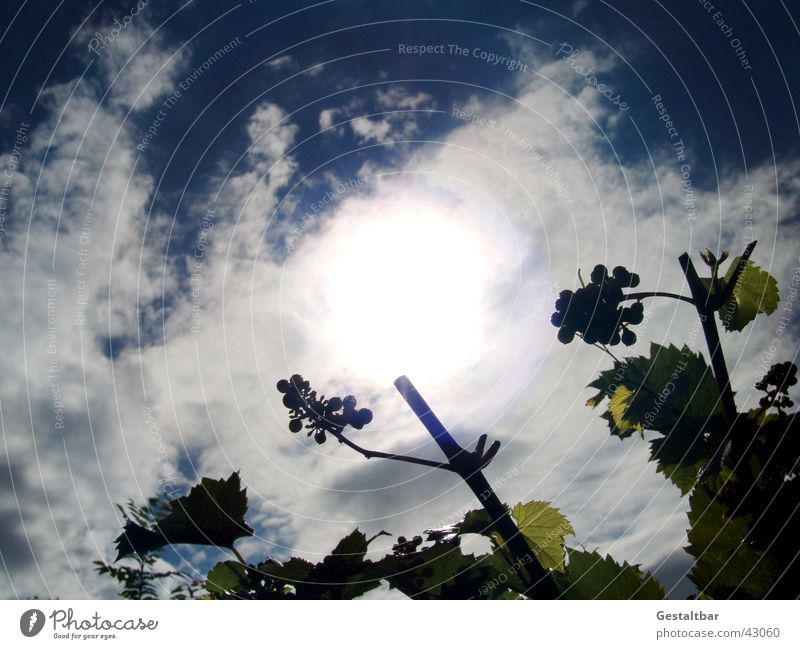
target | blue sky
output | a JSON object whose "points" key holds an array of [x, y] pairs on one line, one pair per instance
{"points": [[218, 195]]}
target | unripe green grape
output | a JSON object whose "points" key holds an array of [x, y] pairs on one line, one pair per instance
{"points": [[628, 337], [283, 386], [295, 425]]}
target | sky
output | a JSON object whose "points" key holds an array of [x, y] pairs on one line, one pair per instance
{"points": [[199, 199]]}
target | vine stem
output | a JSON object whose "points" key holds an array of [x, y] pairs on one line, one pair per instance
{"points": [[468, 468], [607, 351], [706, 308], [646, 294], [238, 555], [367, 453]]}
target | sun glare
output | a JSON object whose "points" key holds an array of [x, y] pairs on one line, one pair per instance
{"points": [[405, 293]]}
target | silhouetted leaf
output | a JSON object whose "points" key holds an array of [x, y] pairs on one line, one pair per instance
{"points": [[212, 514], [726, 565], [680, 455], [476, 522], [591, 576], [349, 551], [441, 571], [672, 392], [293, 570], [656, 392], [227, 577]]}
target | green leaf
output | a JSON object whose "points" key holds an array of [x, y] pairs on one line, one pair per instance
{"points": [[671, 392], [212, 514], [670, 385], [726, 565], [349, 552], [680, 455], [509, 575], [618, 406], [343, 574], [755, 292], [476, 522], [591, 576], [545, 528], [441, 571], [226, 577], [293, 570]]}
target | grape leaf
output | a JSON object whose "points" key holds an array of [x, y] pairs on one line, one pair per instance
{"points": [[344, 574], [545, 528], [440, 571], [755, 292], [349, 551], [591, 576], [671, 392], [670, 385], [226, 577], [233, 580], [680, 455], [618, 405], [212, 514], [476, 522], [293, 570], [726, 565], [509, 575]]}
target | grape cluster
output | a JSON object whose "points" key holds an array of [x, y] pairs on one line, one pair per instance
{"points": [[776, 383], [320, 414], [594, 311]]}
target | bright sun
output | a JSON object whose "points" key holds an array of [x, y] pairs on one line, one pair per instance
{"points": [[404, 294]]}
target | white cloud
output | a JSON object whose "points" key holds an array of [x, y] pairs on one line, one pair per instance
{"points": [[396, 121], [397, 97], [326, 117], [270, 134], [282, 62], [139, 65], [376, 130], [80, 270]]}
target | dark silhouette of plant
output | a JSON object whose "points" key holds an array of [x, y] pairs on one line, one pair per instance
{"points": [[741, 468], [528, 556], [594, 313], [430, 566], [323, 416], [141, 580]]}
